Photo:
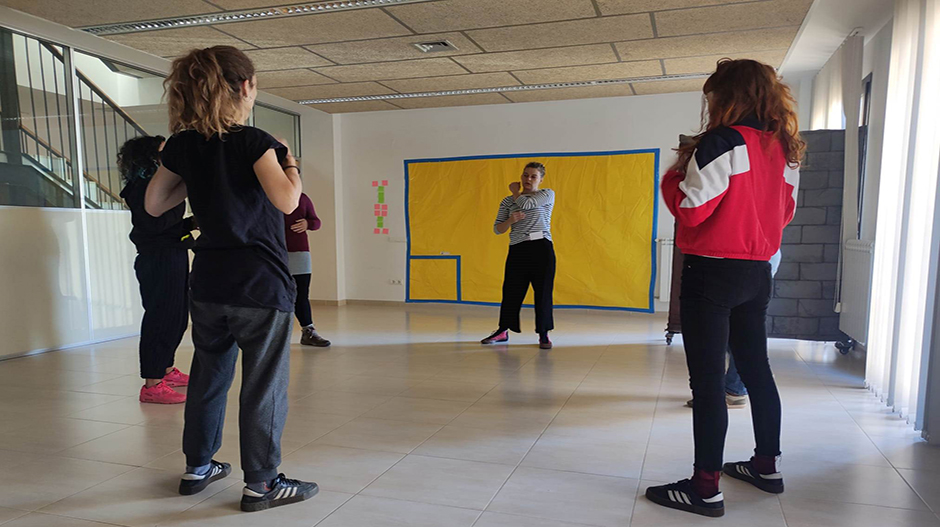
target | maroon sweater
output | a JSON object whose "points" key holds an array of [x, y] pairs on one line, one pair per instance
{"points": [[297, 242]]}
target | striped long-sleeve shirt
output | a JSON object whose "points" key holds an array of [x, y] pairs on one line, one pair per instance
{"points": [[538, 215]]}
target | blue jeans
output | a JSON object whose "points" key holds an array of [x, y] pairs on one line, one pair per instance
{"points": [[733, 383]]}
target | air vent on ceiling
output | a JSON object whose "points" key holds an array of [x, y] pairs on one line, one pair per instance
{"points": [[435, 47]]}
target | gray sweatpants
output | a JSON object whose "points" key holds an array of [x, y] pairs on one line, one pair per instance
{"points": [[219, 330]]}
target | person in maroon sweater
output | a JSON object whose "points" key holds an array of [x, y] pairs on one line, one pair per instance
{"points": [[296, 224]]}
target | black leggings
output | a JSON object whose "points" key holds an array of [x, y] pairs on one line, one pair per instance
{"points": [[163, 275], [531, 262], [302, 302], [725, 302]]}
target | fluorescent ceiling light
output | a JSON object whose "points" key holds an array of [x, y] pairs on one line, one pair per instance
{"points": [[308, 8], [505, 89]]}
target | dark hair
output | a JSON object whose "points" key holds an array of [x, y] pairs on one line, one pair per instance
{"points": [[203, 90], [538, 166], [744, 87], [139, 157]]}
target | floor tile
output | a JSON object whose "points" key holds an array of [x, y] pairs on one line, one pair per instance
{"points": [[588, 455], [52, 479], [38, 519], [430, 411], [135, 445], [449, 391], [339, 469], [380, 434], [478, 444], [813, 513], [495, 519], [373, 511], [51, 435], [222, 510], [926, 484]]}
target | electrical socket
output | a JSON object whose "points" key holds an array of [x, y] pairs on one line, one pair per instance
{"points": [[394, 281]]}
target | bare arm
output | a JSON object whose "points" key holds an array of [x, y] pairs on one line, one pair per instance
{"points": [[165, 191], [282, 186]]}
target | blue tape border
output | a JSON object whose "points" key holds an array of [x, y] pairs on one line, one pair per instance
{"points": [[408, 257]]}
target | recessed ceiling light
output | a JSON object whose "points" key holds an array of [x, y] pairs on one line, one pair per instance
{"points": [[289, 10]]}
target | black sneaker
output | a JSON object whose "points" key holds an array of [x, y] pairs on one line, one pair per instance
{"points": [[195, 483], [745, 471], [283, 492], [498, 336], [310, 337], [680, 496]]}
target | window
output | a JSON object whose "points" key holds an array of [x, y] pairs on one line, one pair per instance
{"points": [[278, 123], [864, 118]]}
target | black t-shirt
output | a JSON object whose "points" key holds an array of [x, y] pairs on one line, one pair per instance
{"points": [[241, 257], [169, 231]]}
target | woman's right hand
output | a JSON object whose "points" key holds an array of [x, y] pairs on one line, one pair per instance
{"points": [[516, 217]]}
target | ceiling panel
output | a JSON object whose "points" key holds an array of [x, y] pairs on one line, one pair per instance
{"points": [[619, 7], [317, 29], [454, 15], [285, 58], [78, 13], [572, 33], [235, 5], [351, 107], [586, 92], [542, 58], [707, 64], [331, 91], [175, 42], [756, 15], [739, 42], [452, 100], [387, 49], [406, 69], [678, 86], [455, 82], [287, 78], [622, 70]]}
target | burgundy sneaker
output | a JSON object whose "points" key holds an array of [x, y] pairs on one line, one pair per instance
{"points": [[497, 337], [176, 379], [545, 343]]}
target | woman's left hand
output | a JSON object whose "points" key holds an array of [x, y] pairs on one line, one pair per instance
{"points": [[515, 187], [299, 226]]}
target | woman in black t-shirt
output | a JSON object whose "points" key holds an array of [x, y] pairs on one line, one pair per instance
{"points": [[240, 182]]}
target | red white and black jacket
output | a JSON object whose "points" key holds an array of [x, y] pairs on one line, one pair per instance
{"points": [[736, 196]]}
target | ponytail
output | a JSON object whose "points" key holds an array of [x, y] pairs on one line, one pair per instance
{"points": [[203, 90]]}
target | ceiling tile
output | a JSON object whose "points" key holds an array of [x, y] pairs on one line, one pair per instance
{"points": [[619, 7], [452, 100], [454, 15], [737, 42], [756, 15], [455, 82], [317, 29], [77, 13], [562, 94], [406, 69], [235, 5], [620, 70], [571, 33], [541, 58], [678, 86], [288, 78], [387, 49], [353, 89], [285, 58], [707, 64], [175, 42], [350, 107]]}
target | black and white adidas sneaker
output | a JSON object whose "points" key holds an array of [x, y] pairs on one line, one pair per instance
{"points": [[283, 491], [745, 471], [680, 496], [195, 483]]}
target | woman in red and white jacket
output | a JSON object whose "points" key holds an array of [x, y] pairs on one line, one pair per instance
{"points": [[732, 191]]}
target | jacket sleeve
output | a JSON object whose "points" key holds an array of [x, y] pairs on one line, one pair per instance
{"points": [[502, 214], [310, 214], [536, 200], [693, 197]]}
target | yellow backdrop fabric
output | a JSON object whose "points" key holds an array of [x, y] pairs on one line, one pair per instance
{"points": [[603, 227]]}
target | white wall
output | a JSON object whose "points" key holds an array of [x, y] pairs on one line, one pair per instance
{"points": [[375, 145]]}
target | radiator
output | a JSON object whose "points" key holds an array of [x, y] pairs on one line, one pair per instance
{"points": [[856, 289], [666, 246]]}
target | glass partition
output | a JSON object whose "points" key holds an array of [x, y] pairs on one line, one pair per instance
{"points": [[278, 123]]}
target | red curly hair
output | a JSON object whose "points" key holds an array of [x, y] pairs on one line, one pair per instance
{"points": [[742, 88]]}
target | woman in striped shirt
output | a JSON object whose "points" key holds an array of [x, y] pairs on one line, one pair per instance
{"points": [[531, 260]]}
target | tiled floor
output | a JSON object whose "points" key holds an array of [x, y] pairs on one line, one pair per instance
{"points": [[407, 421]]}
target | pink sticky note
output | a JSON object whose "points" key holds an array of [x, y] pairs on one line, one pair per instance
{"points": [[384, 207], [377, 206], [379, 231], [375, 183], [384, 231], [384, 182], [384, 213], [378, 213]]}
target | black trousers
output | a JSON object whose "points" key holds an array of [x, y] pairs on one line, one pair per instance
{"points": [[163, 276], [302, 302], [531, 262], [264, 337], [724, 302]]}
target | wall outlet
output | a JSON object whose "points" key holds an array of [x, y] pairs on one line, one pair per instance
{"points": [[394, 281]]}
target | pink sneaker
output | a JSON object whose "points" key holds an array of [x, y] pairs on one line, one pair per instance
{"points": [[161, 394], [496, 337], [176, 379]]}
